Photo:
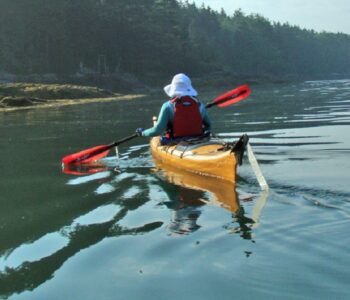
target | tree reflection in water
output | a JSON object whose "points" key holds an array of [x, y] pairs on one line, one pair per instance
{"points": [[187, 194]]}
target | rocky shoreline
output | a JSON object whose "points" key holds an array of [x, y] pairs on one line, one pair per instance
{"points": [[65, 102], [24, 96]]}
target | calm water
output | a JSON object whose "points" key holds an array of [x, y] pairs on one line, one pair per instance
{"points": [[127, 232]]}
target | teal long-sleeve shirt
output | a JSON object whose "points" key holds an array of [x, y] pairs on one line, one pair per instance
{"points": [[166, 116]]}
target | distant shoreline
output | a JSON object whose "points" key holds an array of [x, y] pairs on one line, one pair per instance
{"points": [[21, 96], [68, 102], [27, 96]]}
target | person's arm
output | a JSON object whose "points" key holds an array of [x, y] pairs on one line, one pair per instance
{"points": [[205, 117], [162, 122]]}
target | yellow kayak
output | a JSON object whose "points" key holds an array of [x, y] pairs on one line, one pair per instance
{"points": [[205, 157]]}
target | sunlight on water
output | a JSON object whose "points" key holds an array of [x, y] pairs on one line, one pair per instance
{"points": [[45, 246], [98, 215], [105, 188], [86, 179]]}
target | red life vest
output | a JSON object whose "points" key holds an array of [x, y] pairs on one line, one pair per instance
{"points": [[187, 120]]}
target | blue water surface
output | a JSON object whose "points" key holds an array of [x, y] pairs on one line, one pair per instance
{"points": [[126, 231]]}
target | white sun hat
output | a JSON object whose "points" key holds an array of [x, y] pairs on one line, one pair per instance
{"points": [[180, 86]]}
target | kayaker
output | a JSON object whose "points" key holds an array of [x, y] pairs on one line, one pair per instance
{"points": [[180, 117]]}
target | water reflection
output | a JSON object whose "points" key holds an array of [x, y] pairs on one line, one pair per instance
{"points": [[223, 193], [30, 274], [83, 169], [184, 202], [192, 195], [185, 212], [186, 194], [300, 136], [242, 225]]}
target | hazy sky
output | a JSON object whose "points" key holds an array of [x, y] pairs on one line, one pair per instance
{"points": [[327, 15]]}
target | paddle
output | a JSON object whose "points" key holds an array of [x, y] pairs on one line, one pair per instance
{"points": [[94, 153], [231, 97], [98, 152]]}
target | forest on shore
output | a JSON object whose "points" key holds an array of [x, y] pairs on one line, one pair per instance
{"points": [[152, 39]]}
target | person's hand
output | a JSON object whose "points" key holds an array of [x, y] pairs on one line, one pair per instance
{"points": [[139, 131]]}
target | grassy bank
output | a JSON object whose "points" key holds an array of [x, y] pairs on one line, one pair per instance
{"points": [[19, 96]]}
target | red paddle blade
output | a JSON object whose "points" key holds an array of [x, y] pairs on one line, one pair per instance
{"points": [[232, 96], [88, 155]]}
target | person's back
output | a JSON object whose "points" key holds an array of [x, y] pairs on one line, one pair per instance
{"points": [[187, 119], [183, 115]]}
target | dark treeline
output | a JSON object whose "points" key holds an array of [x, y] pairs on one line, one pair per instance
{"points": [[150, 38]]}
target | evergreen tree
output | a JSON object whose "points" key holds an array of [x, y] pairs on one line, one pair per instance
{"points": [[152, 38]]}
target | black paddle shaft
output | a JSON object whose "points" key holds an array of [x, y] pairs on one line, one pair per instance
{"points": [[128, 138]]}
